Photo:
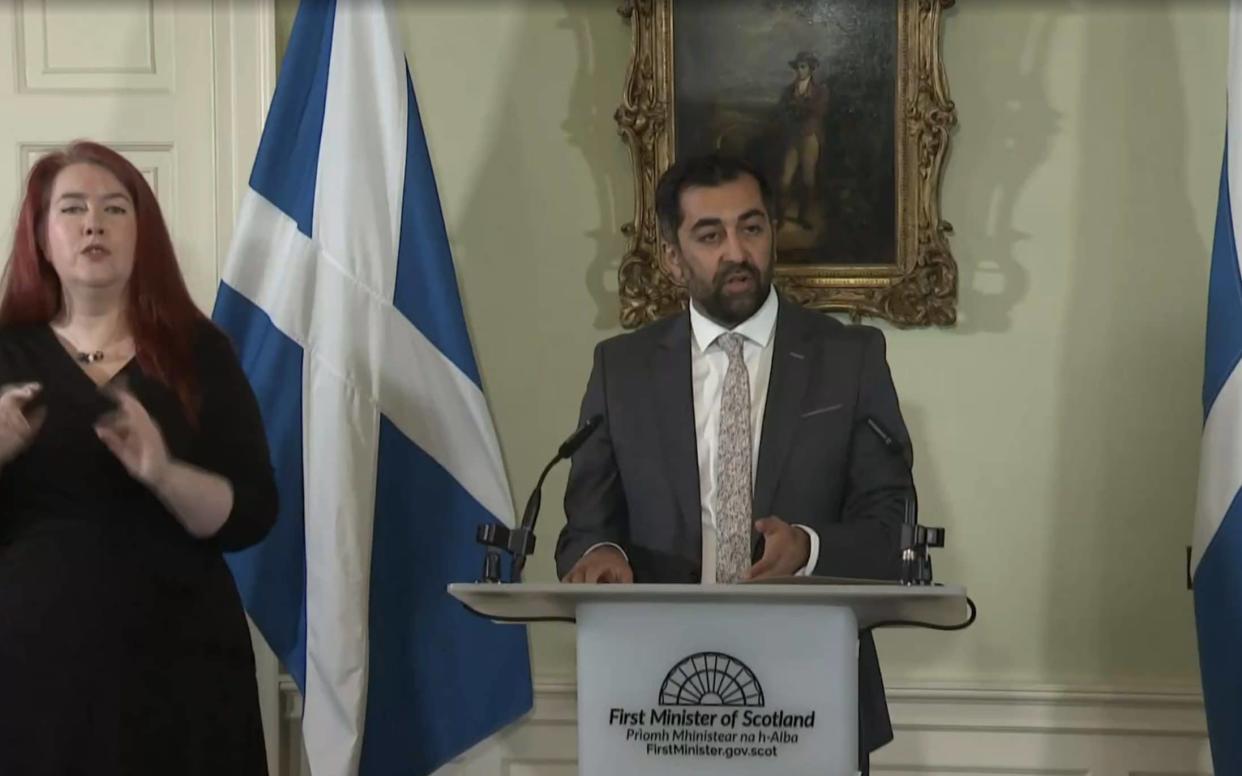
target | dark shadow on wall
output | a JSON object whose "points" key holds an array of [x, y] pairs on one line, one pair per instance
{"points": [[1006, 126], [603, 46]]}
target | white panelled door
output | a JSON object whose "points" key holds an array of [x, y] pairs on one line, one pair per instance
{"points": [[178, 87]]}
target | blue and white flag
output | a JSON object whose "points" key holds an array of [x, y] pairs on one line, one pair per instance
{"points": [[341, 295], [1216, 559]]}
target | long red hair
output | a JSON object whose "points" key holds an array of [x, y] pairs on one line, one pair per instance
{"points": [[161, 315]]}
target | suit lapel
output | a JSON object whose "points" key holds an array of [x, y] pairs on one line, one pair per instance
{"points": [[674, 400], [791, 367]]}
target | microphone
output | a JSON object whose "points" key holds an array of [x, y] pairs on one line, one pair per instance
{"points": [[916, 566], [571, 445], [889, 440], [531, 513], [885, 438], [519, 542]]}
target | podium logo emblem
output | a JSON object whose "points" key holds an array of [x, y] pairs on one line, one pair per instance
{"points": [[711, 679]]}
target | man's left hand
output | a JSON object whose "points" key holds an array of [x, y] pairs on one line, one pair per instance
{"points": [[786, 549]]}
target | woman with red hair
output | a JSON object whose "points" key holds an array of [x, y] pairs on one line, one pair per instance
{"points": [[132, 454]]}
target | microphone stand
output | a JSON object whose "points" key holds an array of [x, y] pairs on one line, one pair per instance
{"points": [[916, 565], [519, 542]]}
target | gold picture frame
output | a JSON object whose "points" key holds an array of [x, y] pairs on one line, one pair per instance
{"points": [[917, 288]]}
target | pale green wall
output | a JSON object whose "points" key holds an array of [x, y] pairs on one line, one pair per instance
{"points": [[1056, 425], [286, 12]]}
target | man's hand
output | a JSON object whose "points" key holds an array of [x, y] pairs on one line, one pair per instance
{"points": [[786, 549], [601, 565]]}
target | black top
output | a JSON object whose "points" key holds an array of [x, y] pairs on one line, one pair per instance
{"points": [[123, 643]]}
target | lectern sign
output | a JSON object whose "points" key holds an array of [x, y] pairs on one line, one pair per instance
{"points": [[719, 679], [739, 692], [711, 705]]}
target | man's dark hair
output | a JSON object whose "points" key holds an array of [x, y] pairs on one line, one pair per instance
{"points": [[704, 170]]}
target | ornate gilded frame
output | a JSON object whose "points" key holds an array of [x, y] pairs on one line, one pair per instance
{"points": [[918, 289]]}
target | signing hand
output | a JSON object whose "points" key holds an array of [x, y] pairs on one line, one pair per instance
{"points": [[17, 428], [135, 439], [602, 565], [786, 549]]}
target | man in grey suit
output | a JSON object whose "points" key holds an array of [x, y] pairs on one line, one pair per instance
{"points": [[733, 445]]}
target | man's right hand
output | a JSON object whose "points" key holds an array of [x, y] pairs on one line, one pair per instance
{"points": [[17, 429], [602, 565]]}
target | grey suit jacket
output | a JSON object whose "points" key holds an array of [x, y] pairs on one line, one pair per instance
{"points": [[635, 482]]}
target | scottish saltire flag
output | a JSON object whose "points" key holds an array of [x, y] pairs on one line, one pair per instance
{"points": [[340, 293], [1216, 559]]}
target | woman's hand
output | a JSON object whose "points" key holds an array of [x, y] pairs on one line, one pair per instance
{"points": [[200, 500], [135, 439], [17, 427]]}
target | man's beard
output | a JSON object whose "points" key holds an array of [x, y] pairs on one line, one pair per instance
{"points": [[730, 309]]}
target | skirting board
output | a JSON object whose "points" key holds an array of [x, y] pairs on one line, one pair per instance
{"points": [[941, 730]]}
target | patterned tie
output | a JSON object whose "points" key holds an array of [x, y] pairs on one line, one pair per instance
{"points": [[733, 496]]}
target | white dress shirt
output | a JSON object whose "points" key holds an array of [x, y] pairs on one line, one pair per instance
{"points": [[708, 364]]}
